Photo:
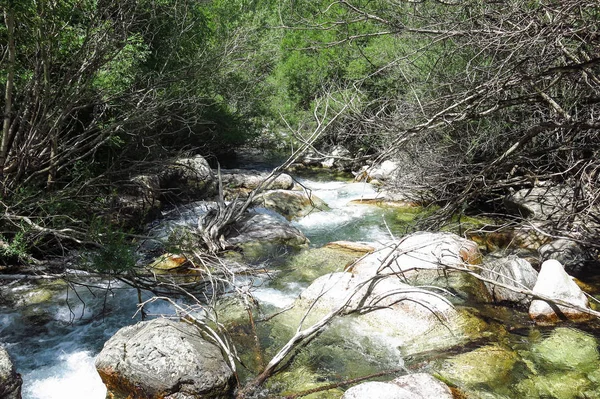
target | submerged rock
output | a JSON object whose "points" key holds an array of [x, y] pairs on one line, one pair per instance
{"points": [[555, 283], [512, 271], [163, 359], [10, 381], [567, 349], [565, 365], [490, 365], [290, 204]]}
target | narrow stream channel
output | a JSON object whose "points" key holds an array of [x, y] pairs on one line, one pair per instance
{"points": [[56, 332]]}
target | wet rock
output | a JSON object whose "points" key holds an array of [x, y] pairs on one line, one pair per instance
{"points": [[339, 158], [567, 349], [187, 179], [489, 365], [511, 271], [412, 386], [385, 203], [10, 381], [555, 283], [351, 246], [290, 204], [425, 385], [380, 390], [163, 359], [567, 252], [258, 229], [251, 179]]}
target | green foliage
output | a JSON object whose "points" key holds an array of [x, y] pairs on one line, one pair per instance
{"points": [[16, 247], [116, 254]]}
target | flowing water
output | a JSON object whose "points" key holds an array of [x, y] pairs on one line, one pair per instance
{"points": [[54, 333]]}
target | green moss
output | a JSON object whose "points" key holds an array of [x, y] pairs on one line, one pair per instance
{"points": [[567, 349], [305, 266], [555, 385], [490, 365]]}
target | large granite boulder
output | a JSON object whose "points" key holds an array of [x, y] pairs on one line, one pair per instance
{"points": [[410, 386], [421, 251], [260, 229], [406, 317], [385, 171], [544, 202], [10, 381], [511, 271], [163, 359], [290, 204], [187, 179], [555, 283], [429, 259]]}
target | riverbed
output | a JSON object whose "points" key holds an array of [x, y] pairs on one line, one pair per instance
{"points": [[57, 329]]}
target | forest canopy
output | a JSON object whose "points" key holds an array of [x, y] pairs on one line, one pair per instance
{"points": [[483, 98]]}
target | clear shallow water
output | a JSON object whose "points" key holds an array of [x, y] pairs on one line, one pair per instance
{"points": [[54, 342]]}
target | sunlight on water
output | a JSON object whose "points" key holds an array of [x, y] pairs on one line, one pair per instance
{"points": [[74, 377]]}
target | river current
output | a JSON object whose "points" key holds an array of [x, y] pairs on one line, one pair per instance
{"points": [[54, 333]]}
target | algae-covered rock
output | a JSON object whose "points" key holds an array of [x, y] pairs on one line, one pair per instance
{"points": [[351, 246], [307, 265], [168, 262], [561, 385], [291, 204], [567, 349], [301, 379], [490, 365]]}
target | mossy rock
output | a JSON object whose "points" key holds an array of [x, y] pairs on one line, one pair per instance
{"points": [[489, 365], [558, 385], [309, 264], [301, 379], [40, 292], [567, 349]]}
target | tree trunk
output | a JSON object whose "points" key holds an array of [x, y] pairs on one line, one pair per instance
{"points": [[9, 19]]}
